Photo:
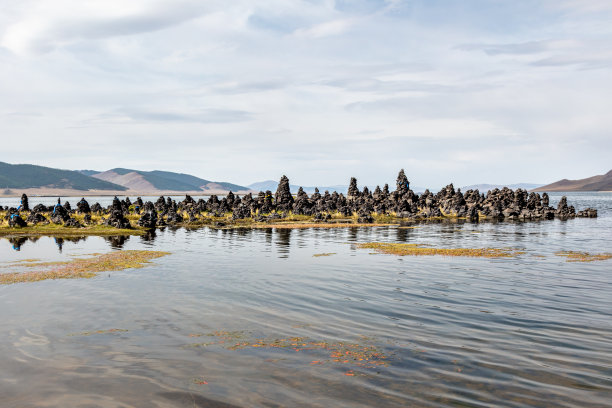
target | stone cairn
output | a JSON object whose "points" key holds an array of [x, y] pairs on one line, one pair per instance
{"points": [[472, 205]]}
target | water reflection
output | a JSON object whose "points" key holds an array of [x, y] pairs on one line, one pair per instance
{"points": [[283, 242], [17, 242], [529, 331], [117, 242]]}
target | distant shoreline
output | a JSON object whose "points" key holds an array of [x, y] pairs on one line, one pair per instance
{"points": [[37, 192]]}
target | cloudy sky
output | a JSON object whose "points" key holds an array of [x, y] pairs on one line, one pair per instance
{"points": [[487, 91]]}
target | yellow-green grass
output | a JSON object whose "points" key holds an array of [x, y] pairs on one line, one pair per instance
{"points": [[54, 230], [416, 250], [576, 256], [84, 268]]}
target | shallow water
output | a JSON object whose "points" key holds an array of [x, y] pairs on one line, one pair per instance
{"points": [[528, 331]]}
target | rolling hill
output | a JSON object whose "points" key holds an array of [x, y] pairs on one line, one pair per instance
{"points": [[486, 187], [25, 176], [157, 180], [596, 183]]}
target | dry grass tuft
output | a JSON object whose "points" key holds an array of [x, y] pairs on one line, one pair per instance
{"points": [[415, 250], [84, 268], [319, 225], [575, 256]]}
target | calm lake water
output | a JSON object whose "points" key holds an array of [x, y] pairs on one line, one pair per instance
{"points": [[529, 331]]}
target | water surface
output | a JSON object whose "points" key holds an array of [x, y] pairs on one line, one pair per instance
{"points": [[528, 331]]}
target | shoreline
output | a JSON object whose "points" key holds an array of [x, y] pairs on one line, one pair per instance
{"points": [[68, 193]]}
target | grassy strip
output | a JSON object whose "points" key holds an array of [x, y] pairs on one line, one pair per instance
{"points": [[415, 250], [85, 268], [575, 256], [293, 225]]}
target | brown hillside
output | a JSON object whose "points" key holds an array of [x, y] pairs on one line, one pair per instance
{"points": [[596, 183]]}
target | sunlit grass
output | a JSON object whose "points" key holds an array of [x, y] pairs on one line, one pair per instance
{"points": [[84, 268], [575, 256], [415, 250]]}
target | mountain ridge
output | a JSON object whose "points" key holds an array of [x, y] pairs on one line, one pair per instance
{"points": [[24, 176], [158, 180], [602, 182]]}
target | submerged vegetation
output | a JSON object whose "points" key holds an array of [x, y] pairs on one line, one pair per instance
{"points": [[91, 333], [363, 354], [83, 268], [416, 250], [575, 256]]}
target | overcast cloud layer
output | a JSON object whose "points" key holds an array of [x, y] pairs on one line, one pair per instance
{"points": [[241, 91]]}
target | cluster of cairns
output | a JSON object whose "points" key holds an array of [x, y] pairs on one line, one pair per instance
{"points": [[504, 204]]}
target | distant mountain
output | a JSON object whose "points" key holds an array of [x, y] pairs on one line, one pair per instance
{"points": [[486, 187], [595, 183], [89, 172], [24, 176], [163, 181]]}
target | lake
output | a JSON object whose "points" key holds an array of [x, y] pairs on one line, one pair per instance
{"points": [[304, 318]]}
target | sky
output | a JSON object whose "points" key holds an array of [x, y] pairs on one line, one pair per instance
{"points": [[468, 92]]}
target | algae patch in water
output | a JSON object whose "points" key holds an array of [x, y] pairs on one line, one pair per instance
{"points": [[91, 333], [84, 268], [415, 250], [324, 254], [363, 354], [576, 256]]}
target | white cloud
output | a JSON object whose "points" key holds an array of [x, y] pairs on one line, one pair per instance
{"points": [[317, 89], [326, 29]]}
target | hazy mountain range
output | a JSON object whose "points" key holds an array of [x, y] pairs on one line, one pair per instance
{"points": [[40, 180], [596, 183], [138, 180], [483, 188], [27, 176]]}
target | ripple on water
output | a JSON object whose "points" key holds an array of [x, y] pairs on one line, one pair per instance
{"points": [[520, 332]]}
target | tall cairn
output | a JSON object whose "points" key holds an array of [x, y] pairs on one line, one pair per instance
{"points": [[403, 185], [283, 198], [353, 191]]}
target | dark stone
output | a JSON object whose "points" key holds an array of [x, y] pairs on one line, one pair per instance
{"points": [[72, 223], [283, 198], [83, 207], [60, 214], [174, 218], [148, 220], [36, 218], [353, 191], [24, 203], [96, 208], [117, 220], [15, 220], [39, 208]]}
